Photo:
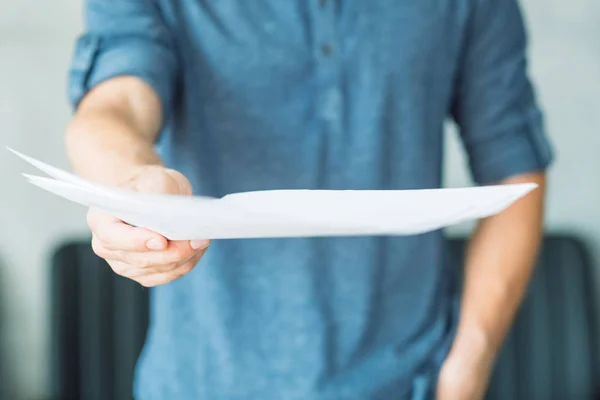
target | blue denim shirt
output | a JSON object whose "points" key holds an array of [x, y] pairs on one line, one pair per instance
{"points": [[315, 94]]}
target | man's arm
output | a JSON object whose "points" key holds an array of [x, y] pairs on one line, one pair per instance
{"points": [[502, 128], [122, 84], [110, 140], [113, 130], [499, 261]]}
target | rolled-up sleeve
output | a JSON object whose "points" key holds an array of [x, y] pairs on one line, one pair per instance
{"points": [[495, 107], [124, 37]]}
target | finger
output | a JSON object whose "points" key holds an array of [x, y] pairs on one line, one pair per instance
{"points": [[160, 180], [176, 253], [199, 244], [194, 257], [119, 267], [98, 249], [163, 278], [136, 273], [126, 270], [114, 234]]}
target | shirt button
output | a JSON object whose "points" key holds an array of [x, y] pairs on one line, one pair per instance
{"points": [[327, 49]]}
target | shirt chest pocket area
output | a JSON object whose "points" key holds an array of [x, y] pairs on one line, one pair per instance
{"points": [[238, 51], [415, 41]]}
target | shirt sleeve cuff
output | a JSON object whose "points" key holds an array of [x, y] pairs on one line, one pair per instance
{"points": [[522, 150], [98, 59]]}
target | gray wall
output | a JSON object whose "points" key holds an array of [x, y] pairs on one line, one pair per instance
{"points": [[35, 46]]}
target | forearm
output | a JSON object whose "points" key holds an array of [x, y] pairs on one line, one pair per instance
{"points": [[113, 131], [499, 262]]}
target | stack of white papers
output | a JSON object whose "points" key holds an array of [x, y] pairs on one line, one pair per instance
{"points": [[285, 213]]}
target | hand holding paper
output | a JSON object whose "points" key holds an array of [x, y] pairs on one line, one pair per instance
{"points": [[284, 213], [138, 253], [117, 235]]}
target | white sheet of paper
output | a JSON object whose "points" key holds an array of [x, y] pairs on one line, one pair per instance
{"points": [[285, 213]]}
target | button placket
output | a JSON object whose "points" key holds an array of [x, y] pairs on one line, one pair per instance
{"points": [[324, 29], [328, 63]]}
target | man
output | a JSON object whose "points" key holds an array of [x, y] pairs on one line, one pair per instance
{"points": [[317, 94]]}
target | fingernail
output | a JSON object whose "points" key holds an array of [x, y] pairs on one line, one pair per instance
{"points": [[198, 244], [155, 244]]}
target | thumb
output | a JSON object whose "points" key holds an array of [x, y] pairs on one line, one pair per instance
{"points": [[184, 187], [161, 180]]}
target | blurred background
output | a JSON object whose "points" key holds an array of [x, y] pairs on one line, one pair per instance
{"points": [[36, 42]]}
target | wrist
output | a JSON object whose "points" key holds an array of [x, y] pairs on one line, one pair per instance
{"points": [[473, 347], [108, 151], [466, 371]]}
